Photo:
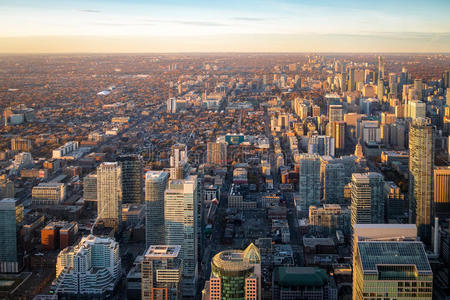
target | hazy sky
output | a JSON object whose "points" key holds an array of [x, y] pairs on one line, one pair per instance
{"points": [[227, 25]]}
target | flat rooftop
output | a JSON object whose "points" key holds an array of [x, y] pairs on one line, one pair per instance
{"points": [[162, 251]]}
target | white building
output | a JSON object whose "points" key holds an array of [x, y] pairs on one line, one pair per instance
{"points": [[180, 217], [90, 268], [65, 149]]}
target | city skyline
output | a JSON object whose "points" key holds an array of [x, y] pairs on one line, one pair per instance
{"points": [[250, 26]]}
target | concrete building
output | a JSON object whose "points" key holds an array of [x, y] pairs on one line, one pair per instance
{"points": [[309, 283], [329, 218], [367, 205], [90, 269], [391, 270], [333, 183], [421, 165], [161, 271], [216, 153], [109, 194], [155, 185], [180, 222], [178, 161], [49, 193], [90, 188], [335, 113], [21, 144]]}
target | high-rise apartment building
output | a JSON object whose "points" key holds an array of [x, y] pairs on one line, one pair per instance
{"points": [[178, 161], [216, 153], [161, 272], [90, 188], [333, 183], [131, 166], [321, 145], [421, 164], [90, 269], [442, 191], [235, 274], [180, 218], [335, 113], [11, 217], [367, 198], [109, 194], [155, 185], [309, 181]]}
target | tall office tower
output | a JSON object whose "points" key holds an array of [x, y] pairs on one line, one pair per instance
{"points": [[380, 89], [309, 181], [417, 109], [11, 217], [303, 111], [178, 161], [321, 145], [161, 273], [381, 68], [337, 131], [351, 80], [404, 76], [21, 144], [397, 136], [393, 84], [155, 185], [421, 164], [334, 183], [342, 81], [391, 270], [131, 166], [90, 269], [216, 153], [335, 113], [442, 191], [448, 97], [446, 79], [109, 194], [180, 218], [418, 87], [235, 274], [171, 105], [367, 198]]}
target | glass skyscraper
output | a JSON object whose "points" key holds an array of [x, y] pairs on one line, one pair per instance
{"points": [[421, 162]]}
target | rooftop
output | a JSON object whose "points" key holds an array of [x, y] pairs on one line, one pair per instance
{"points": [[162, 251]]}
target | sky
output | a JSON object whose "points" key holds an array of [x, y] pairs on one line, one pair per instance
{"points": [[48, 26]]}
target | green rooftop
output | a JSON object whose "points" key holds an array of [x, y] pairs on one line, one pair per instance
{"points": [[300, 276]]}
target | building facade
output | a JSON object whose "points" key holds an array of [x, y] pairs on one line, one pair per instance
{"points": [[155, 186], [109, 194], [367, 205]]}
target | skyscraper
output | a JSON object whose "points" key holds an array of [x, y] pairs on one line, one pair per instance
{"points": [[178, 161], [155, 185], [442, 191], [180, 218], [109, 193], [161, 273], [333, 183], [367, 198], [216, 153], [337, 131], [131, 166], [235, 274], [335, 113], [309, 181], [11, 217], [421, 162], [321, 145], [351, 80]]}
